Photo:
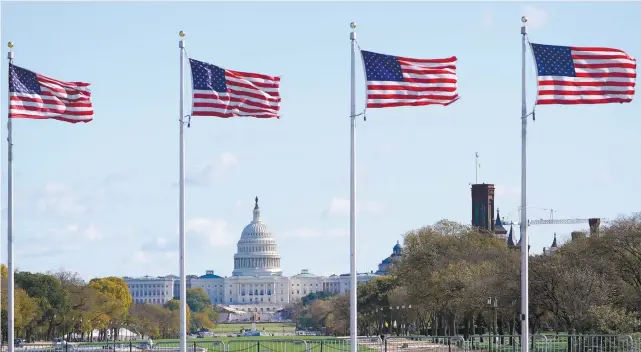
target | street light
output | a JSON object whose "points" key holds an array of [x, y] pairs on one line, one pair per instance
{"points": [[493, 303]]}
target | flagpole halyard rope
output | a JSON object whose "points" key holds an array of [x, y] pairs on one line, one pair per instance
{"points": [[533, 113], [363, 61]]}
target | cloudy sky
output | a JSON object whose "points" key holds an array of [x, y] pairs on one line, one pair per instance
{"points": [[101, 198]]}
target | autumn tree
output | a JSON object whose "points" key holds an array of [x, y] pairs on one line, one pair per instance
{"points": [[116, 300]]}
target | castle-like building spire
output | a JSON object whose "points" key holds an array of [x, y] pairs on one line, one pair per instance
{"points": [[510, 237], [499, 230]]}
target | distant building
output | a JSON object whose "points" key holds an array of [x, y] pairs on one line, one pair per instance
{"points": [[483, 210], [256, 284], [387, 263], [153, 290]]}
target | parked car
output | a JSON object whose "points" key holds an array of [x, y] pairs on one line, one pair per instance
{"points": [[59, 344], [18, 343]]}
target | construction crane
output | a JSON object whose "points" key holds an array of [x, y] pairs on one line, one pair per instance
{"points": [[552, 221]]}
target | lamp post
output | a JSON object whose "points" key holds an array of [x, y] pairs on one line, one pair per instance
{"points": [[54, 326], [492, 302]]}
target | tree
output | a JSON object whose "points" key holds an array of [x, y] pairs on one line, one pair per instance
{"points": [[116, 300], [197, 299], [173, 306], [53, 301], [621, 244]]}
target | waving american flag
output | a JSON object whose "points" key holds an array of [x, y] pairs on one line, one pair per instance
{"points": [[583, 75], [34, 96], [226, 93], [400, 81]]}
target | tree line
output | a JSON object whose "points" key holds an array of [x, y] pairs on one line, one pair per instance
{"points": [[61, 304], [454, 279]]}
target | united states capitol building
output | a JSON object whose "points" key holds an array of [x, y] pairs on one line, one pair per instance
{"points": [[257, 283]]}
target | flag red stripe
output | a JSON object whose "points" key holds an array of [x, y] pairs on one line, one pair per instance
{"points": [[606, 74], [229, 114], [579, 101], [245, 75], [427, 61], [430, 80], [586, 92], [415, 103], [599, 57], [61, 110], [59, 118], [409, 97], [593, 48], [200, 98], [606, 65], [72, 103], [372, 87], [585, 84]]}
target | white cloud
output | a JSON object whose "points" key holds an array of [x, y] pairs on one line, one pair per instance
{"points": [[244, 204], [340, 206], [506, 191], [46, 250], [536, 18], [315, 233], [141, 257], [227, 160], [92, 233], [487, 18], [72, 232], [204, 174], [60, 200], [214, 231], [160, 244]]}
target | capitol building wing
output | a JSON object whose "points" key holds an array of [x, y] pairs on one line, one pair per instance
{"points": [[257, 283]]}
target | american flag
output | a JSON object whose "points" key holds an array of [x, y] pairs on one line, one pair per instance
{"points": [[34, 96], [399, 81], [583, 75], [226, 93]]}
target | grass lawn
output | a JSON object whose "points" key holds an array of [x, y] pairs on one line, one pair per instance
{"points": [[269, 344]]}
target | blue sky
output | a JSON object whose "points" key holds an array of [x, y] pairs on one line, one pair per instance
{"points": [[101, 198]]}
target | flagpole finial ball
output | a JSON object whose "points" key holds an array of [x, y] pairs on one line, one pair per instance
{"points": [[523, 19], [181, 34], [10, 45], [352, 25]]}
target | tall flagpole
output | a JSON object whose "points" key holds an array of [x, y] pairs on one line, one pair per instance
{"points": [[10, 279], [181, 204], [476, 167], [525, 329], [353, 315]]}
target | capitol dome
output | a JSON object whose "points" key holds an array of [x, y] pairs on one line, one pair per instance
{"points": [[257, 254]]}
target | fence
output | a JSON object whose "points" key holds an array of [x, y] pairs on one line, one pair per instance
{"points": [[486, 343]]}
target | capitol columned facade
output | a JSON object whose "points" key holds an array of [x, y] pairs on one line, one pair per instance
{"points": [[257, 283]]}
